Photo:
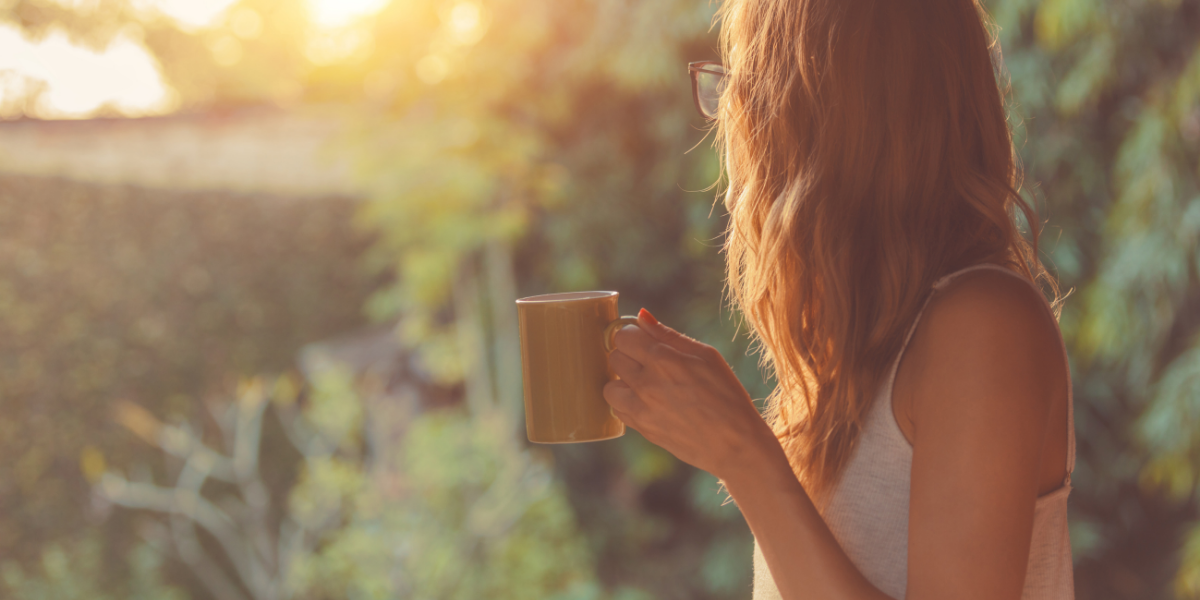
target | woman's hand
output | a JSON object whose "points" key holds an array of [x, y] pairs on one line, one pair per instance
{"points": [[681, 395]]}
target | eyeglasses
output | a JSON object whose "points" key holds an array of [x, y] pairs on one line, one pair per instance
{"points": [[708, 81]]}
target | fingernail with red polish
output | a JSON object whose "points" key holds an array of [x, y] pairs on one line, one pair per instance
{"points": [[645, 314]]}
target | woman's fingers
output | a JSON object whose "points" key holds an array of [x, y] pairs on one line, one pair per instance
{"points": [[652, 342], [667, 336], [625, 366], [635, 342], [624, 401]]}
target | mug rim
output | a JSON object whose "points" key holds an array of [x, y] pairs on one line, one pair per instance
{"points": [[566, 297]]}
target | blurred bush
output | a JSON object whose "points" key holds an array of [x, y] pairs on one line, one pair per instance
{"points": [[77, 572], [110, 293], [390, 501]]}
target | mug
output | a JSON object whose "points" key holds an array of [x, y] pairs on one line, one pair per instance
{"points": [[565, 341]]}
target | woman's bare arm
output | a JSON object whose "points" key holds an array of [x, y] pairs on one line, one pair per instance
{"points": [[988, 374]]}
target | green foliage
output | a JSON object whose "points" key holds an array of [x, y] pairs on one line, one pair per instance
{"points": [[724, 568], [335, 410], [111, 293], [226, 66], [1187, 581], [76, 572], [390, 503], [470, 515]]}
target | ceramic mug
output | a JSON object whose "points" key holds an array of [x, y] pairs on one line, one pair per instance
{"points": [[565, 341]]}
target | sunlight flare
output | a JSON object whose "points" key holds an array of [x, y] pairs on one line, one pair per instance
{"points": [[54, 78], [339, 13]]}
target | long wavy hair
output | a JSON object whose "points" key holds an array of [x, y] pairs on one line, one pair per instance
{"points": [[868, 153]]}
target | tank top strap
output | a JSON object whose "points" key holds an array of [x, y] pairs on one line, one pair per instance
{"points": [[943, 282]]}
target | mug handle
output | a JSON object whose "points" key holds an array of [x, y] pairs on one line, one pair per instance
{"points": [[612, 328]]}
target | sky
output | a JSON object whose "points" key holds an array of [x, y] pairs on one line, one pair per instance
{"points": [[78, 80], [124, 76]]}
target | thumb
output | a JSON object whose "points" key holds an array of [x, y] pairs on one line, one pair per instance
{"points": [[665, 335]]}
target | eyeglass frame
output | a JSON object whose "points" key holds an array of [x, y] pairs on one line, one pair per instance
{"points": [[694, 70]]}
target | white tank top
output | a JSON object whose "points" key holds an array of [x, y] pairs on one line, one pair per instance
{"points": [[868, 509]]}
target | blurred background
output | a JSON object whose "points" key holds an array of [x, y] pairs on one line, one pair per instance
{"points": [[258, 261]]}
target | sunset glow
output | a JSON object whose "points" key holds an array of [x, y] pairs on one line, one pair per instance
{"points": [[339, 13], [69, 81], [189, 14]]}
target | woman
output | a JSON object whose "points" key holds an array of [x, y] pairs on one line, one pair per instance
{"points": [[919, 442]]}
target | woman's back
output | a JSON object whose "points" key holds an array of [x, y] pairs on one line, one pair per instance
{"points": [[868, 511]]}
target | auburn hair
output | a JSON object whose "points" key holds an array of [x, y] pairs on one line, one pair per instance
{"points": [[868, 153]]}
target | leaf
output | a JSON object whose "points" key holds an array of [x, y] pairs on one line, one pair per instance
{"points": [[1172, 420], [727, 566], [1060, 22], [1187, 578], [1088, 77]]}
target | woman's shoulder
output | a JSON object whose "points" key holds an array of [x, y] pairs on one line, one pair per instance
{"points": [[997, 316], [986, 336], [990, 296]]}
